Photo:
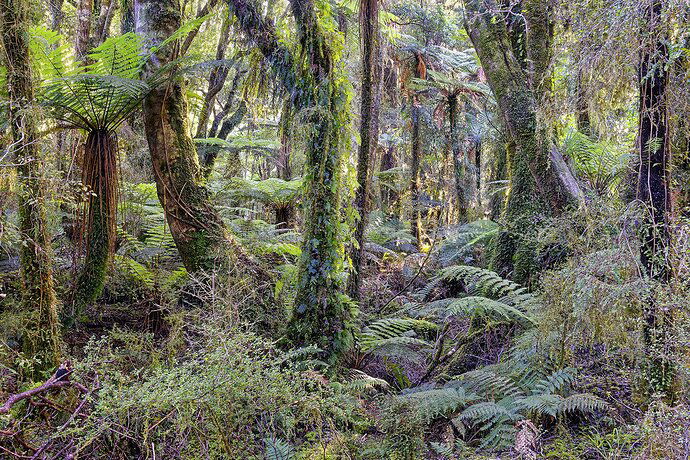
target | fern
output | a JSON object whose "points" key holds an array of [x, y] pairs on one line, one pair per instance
{"points": [[360, 381], [277, 449], [439, 402]]}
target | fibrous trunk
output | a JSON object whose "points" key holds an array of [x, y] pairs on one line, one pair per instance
{"points": [[99, 177]]}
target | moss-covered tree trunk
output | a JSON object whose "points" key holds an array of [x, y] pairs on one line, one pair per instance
{"points": [[38, 296], [653, 189], [83, 32], [198, 230], [321, 315], [540, 180], [368, 133], [319, 90]]}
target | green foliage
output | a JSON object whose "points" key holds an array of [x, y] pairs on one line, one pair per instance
{"points": [[221, 399], [602, 164]]}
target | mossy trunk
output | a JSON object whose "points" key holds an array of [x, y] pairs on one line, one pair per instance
{"points": [[653, 191], [196, 227], [198, 230], [540, 180], [99, 176], [368, 133], [321, 316], [42, 340]]}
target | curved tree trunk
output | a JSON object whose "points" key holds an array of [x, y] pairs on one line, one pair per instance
{"points": [[38, 296], [198, 230]]}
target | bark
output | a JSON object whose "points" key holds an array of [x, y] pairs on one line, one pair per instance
{"points": [[517, 99], [105, 17], [653, 189], [216, 79], [416, 151], [198, 230], [320, 316], [207, 8], [42, 340], [458, 161], [540, 181], [127, 16], [81, 47], [285, 215], [56, 14], [368, 133]]}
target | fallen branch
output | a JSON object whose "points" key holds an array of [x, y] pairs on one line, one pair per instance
{"points": [[57, 380]]}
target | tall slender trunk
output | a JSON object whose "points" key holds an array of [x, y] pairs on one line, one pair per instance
{"points": [[321, 316], [368, 133], [84, 12], [56, 14], [458, 161], [216, 79], [38, 296], [285, 215], [653, 188]]}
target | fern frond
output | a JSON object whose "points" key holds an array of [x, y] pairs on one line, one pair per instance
{"points": [[277, 449], [439, 402], [582, 402]]}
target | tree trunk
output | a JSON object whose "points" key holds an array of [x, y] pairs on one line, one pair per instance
{"points": [[540, 180], [416, 151], [368, 132], [458, 161], [321, 316], [216, 79], [517, 99], [653, 189], [56, 14], [99, 176], [38, 296], [81, 47]]}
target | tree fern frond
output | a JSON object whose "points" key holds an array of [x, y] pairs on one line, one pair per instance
{"points": [[582, 402], [438, 402]]}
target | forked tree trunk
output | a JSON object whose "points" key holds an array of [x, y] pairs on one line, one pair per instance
{"points": [[368, 133], [540, 180], [42, 340], [653, 190]]}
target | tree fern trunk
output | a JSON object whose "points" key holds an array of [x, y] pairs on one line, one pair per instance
{"points": [[99, 176], [38, 296]]}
